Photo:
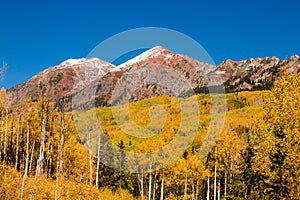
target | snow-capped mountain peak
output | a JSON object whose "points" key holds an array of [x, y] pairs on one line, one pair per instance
{"points": [[149, 54], [73, 61]]}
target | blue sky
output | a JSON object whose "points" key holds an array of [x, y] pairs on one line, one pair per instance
{"points": [[37, 34]]}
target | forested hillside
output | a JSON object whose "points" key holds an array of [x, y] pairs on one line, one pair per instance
{"points": [[46, 154]]}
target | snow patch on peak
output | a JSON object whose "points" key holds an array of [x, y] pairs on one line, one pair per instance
{"points": [[151, 53], [158, 48], [88, 62], [72, 61], [295, 57]]}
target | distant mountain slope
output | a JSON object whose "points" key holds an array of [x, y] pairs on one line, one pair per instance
{"points": [[253, 74], [81, 81], [60, 81]]}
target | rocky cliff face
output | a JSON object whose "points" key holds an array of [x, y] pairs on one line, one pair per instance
{"points": [[88, 82]]}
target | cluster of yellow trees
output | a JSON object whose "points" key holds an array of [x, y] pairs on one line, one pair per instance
{"points": [[42, 155]]}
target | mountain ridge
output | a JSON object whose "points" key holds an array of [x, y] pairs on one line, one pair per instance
{"points": [[75, 78]]}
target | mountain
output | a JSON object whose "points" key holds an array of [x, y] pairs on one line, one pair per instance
{"points": [[89, 82], [60, 81], [253, 74], [160, 63], [141, 75], [160, 55]]}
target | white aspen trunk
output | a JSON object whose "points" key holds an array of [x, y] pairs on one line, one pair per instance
{"points": [[154, 186], [162, 186], [17, 144], [62, 143], [26, 162], [5, 136], [150, 182], [185, 185], [98, 160], [57, 172], [193, 188], [31, 158], [39, 167], [59, 162], [57, 179], [50, 160], [215, 183], [208, 185]]}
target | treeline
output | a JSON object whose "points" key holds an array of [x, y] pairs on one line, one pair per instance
{"points": [[256, 156]]}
